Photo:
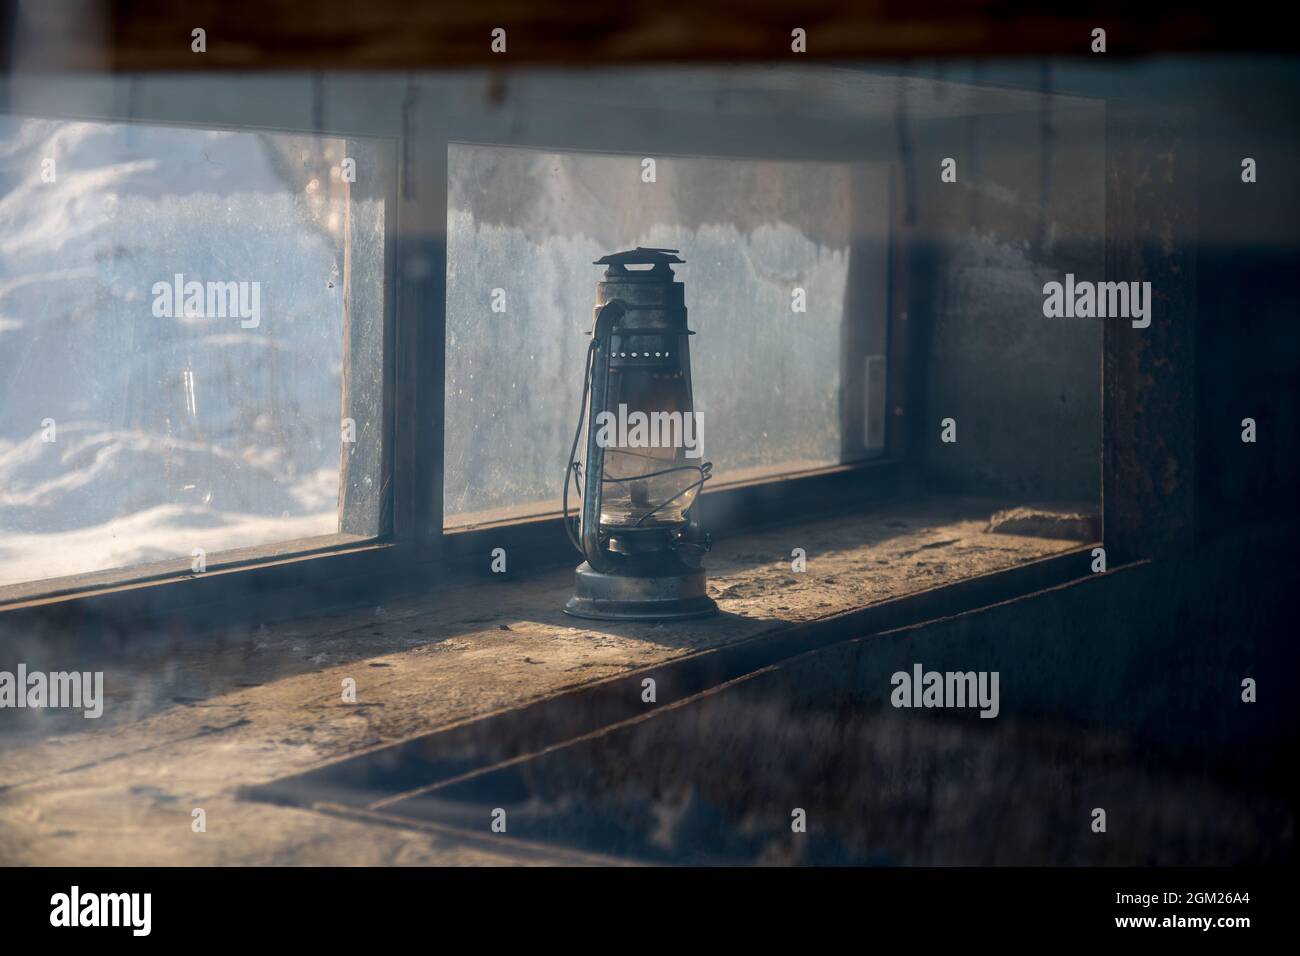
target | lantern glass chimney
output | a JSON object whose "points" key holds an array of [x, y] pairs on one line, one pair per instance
{"points": [[649, 478]]}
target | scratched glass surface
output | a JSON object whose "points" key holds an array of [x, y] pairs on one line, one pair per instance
{"points": [[530, 223], [128, 436]]}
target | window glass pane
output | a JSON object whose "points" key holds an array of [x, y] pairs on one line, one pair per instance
{"points": [[172, 312], [524, 227]]}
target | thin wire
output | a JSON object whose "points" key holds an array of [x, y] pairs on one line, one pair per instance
{"points": [[573, 467], [706, 472], [655, 474]]}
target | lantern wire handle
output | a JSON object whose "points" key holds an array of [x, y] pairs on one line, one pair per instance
{"points": [[573, 467]]}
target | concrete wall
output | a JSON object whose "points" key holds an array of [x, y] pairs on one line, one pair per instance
{"points": [[1028, 206]]}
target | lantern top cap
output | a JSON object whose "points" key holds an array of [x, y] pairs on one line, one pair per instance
{"points": [[640, 256]]}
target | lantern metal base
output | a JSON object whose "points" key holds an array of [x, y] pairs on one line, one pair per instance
{"points": [[675, 594]]}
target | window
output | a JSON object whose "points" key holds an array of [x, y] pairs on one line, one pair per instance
{"points": [[769, 291], [191, 347], [846, 300]]}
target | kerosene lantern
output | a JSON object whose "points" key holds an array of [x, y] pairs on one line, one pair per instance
{"points": [[637, 528]]}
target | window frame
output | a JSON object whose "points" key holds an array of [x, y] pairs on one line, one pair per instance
{"points": [[138, 590], [413, 551]]}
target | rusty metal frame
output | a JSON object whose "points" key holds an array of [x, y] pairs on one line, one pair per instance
{"points": [[1149, 375]]}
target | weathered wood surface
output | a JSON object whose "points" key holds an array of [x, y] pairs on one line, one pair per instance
{"points": [[187, 723], [145, 35]]}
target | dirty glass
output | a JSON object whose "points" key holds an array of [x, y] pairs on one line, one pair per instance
{"points": [[172, 343], [523, 229]]}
